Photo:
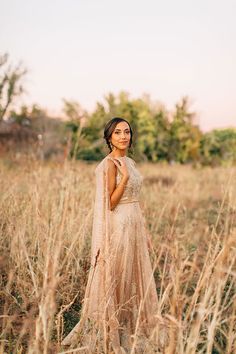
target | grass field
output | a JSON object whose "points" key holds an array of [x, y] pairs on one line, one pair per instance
{"points": [[45, 224]]}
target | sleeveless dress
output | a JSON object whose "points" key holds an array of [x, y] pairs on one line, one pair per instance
{"points": [[119, 310]]}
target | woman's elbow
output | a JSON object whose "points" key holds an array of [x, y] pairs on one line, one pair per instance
{"points": [[112, 205]]}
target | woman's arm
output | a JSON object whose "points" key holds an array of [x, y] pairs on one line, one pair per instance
{"points": [[116, 192]]}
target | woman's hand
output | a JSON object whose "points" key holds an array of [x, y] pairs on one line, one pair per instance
{"points": [[121, 165], [116, 191]]}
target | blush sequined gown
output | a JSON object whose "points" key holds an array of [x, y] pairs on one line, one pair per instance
{"points": [[120, 301]]}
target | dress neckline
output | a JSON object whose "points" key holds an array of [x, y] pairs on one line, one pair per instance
{"points": [[118, 157]]}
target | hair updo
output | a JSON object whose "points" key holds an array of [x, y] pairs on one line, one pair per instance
{"points": [[110, 127]]}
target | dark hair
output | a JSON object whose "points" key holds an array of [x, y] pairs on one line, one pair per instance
{"points": [[110, 127]]}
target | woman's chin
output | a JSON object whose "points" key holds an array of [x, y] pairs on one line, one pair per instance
{"points": [[123, 147]]}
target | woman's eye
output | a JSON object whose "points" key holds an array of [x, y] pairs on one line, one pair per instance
{"points": [[127, 132]]}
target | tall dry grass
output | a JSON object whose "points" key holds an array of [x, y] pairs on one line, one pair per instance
{"points": [[45, 226]]}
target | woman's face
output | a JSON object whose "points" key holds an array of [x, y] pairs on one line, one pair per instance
{"points": [[120, 137]]}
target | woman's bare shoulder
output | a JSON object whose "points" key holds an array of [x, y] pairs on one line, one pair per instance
{"points": [[111, 164]]}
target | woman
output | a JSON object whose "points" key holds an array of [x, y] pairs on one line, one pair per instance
{"points": [[120, 300]]}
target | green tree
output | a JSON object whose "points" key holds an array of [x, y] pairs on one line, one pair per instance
{"points": [[77, 117], [156, 137], [162, 135], [185, 136], [219, 147], [137, 113]]}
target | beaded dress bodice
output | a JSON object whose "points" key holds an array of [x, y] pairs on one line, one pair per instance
{"points": [[133, 186]]}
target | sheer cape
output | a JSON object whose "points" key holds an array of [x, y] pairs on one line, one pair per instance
{"points": [[98, 311]]}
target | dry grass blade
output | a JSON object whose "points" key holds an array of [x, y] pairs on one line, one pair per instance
{"points": [[45, 224]]}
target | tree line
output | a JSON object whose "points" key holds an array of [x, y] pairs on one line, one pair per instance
{"points": [[159, 135]]}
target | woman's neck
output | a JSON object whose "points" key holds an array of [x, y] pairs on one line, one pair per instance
{"points": [[118, 153]]}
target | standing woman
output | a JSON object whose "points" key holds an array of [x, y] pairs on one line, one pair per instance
{"points": [[120, 301]]}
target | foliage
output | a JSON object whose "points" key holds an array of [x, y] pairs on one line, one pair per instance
{"points": [[32, 123], [10, 83], [184, 135], [26, 115], [219, 146], [76, 117], [157, 134]]}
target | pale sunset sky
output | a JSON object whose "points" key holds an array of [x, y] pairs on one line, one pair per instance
{"points": [[84, 49]]}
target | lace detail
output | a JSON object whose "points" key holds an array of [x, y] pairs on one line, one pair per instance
{"points": [[134, 184]]}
